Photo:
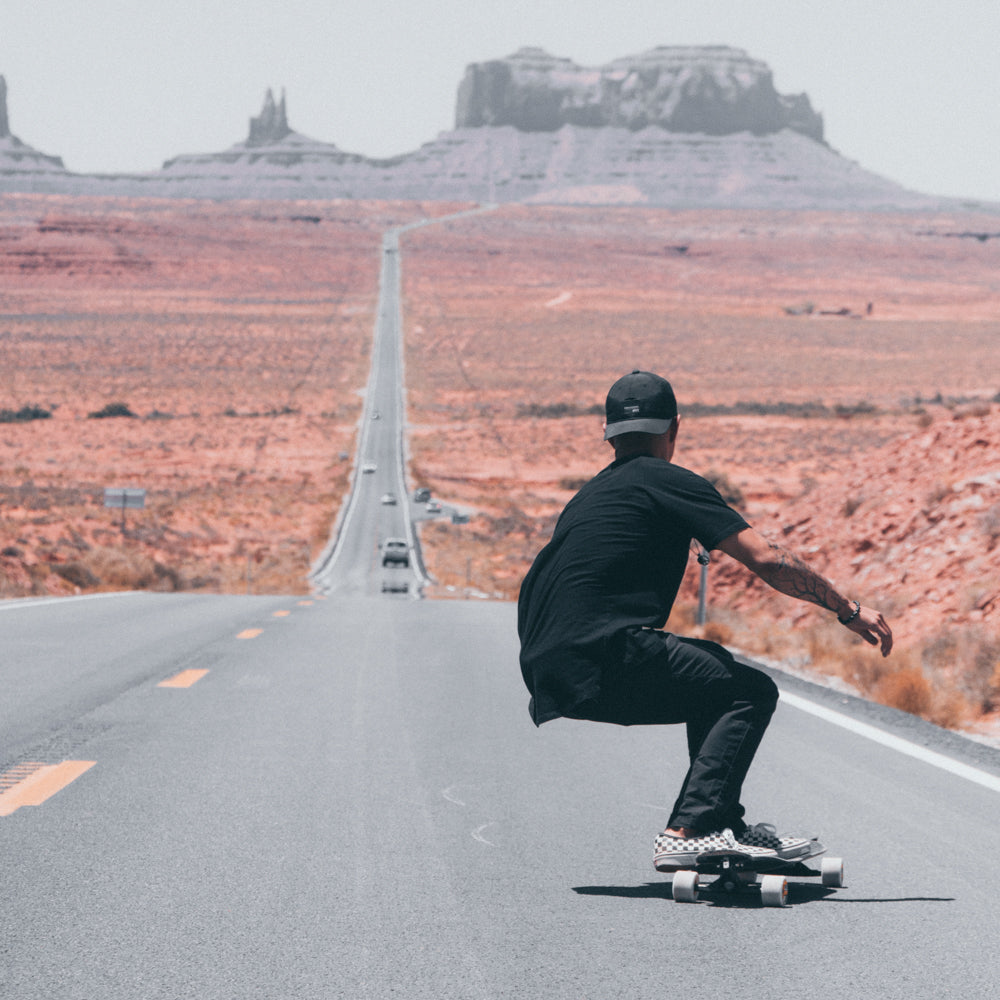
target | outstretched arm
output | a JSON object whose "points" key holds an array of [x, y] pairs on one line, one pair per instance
{"points": [[787, 573]]}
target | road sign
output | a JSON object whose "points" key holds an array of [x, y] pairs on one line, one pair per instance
{"points": [[128, 497], [125, 498]]}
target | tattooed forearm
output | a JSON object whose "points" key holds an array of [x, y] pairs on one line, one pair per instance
{"points": [[787, 573]]}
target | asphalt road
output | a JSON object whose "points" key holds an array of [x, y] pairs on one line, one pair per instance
{"points": [[378, 507], [352, 802]]}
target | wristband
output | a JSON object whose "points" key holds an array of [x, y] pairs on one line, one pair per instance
{"points": [[854, 614]]}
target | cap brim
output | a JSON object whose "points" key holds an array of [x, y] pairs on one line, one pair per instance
{"points": [[648, 426]]}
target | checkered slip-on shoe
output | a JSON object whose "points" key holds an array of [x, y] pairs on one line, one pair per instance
{"points": [[765, 835], [671, 853]]}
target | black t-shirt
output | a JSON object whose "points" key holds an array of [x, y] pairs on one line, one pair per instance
{"points": [[615, 562]]}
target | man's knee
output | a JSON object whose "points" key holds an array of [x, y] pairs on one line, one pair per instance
{"points": [[760, 689], [757, 685]]}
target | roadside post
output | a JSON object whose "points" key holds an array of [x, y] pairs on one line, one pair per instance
{"points": [[703, 560], [124, 498]]}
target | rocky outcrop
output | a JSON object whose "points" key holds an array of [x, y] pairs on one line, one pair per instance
{"points": [[709, 90], [17, 159], [673, 127], [4, 120], [273, 162], [271, 125]]}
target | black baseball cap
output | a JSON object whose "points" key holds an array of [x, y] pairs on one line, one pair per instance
{"points": [[640, 401]]}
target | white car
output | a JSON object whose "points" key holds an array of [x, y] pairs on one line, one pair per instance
{"points": [[395, 552]]}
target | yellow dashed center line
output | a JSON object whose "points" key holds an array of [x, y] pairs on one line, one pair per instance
{"points": [[281, 614], [183, 680], [41, 782], [305, 604], [250, 633]]}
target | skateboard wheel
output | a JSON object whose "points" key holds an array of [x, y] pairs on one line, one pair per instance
{"points": [[774, 890], [832, 872], [684, 887]]}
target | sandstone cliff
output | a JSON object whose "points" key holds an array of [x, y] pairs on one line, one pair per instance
{"points": [[711, 90], [18, 161], [672, 127]]}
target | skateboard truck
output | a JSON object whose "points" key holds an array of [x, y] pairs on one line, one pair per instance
{"points": [[736, 872]]}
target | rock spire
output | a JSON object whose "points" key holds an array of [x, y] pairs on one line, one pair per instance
{"points": [[271, 125], [4, 120]]}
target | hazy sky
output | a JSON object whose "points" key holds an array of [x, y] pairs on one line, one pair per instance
{"points": [[908, 88]]}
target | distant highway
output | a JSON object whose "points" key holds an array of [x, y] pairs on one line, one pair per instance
{"points": [[378, 506], [341, 796]]}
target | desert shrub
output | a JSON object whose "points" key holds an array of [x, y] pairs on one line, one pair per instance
{"points": [[743, 408], [76, 573], [729, 491], [718, 632], [862, 409], [851, 504], [981, 671], [989, 524], [126, 569], [970, 657], [908, 690], [111, 410], [682, 617], [865, 668], [980, 408], [23, 415], [937, 494], [556, 411]]}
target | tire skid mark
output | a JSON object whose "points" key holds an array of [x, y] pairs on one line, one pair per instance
{"points": [[450, 795]]}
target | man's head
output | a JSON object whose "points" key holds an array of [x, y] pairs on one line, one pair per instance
{"points": [[640, 409]]}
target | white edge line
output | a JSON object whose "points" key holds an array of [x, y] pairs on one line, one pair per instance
{"points": [[894, 742], [13, 604]]}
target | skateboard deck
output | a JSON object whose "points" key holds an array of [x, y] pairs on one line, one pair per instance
{"points": [[735, 871]]}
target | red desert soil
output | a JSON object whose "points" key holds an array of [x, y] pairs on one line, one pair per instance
{"points": [[239, 334]]}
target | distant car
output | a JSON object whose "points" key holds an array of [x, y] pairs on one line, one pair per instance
{"points": [[422, 495], [433, 507], [368, 467], [389, 499], [395, 552]]}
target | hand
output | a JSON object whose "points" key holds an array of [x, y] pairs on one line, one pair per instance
{"points": [[873, 628]]}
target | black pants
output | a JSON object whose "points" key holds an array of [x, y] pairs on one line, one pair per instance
{"points": [[664, 679]]}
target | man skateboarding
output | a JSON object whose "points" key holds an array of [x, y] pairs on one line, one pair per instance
{"points": [[594, 603]]}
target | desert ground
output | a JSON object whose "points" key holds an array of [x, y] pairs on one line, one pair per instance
{"points": [[237, 334], [838, 376]]}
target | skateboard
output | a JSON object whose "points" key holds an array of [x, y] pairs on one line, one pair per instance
{"points": [[736, 872]]}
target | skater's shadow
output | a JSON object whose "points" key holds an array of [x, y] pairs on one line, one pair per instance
{"points": [[797, 893], [746, 898]]}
